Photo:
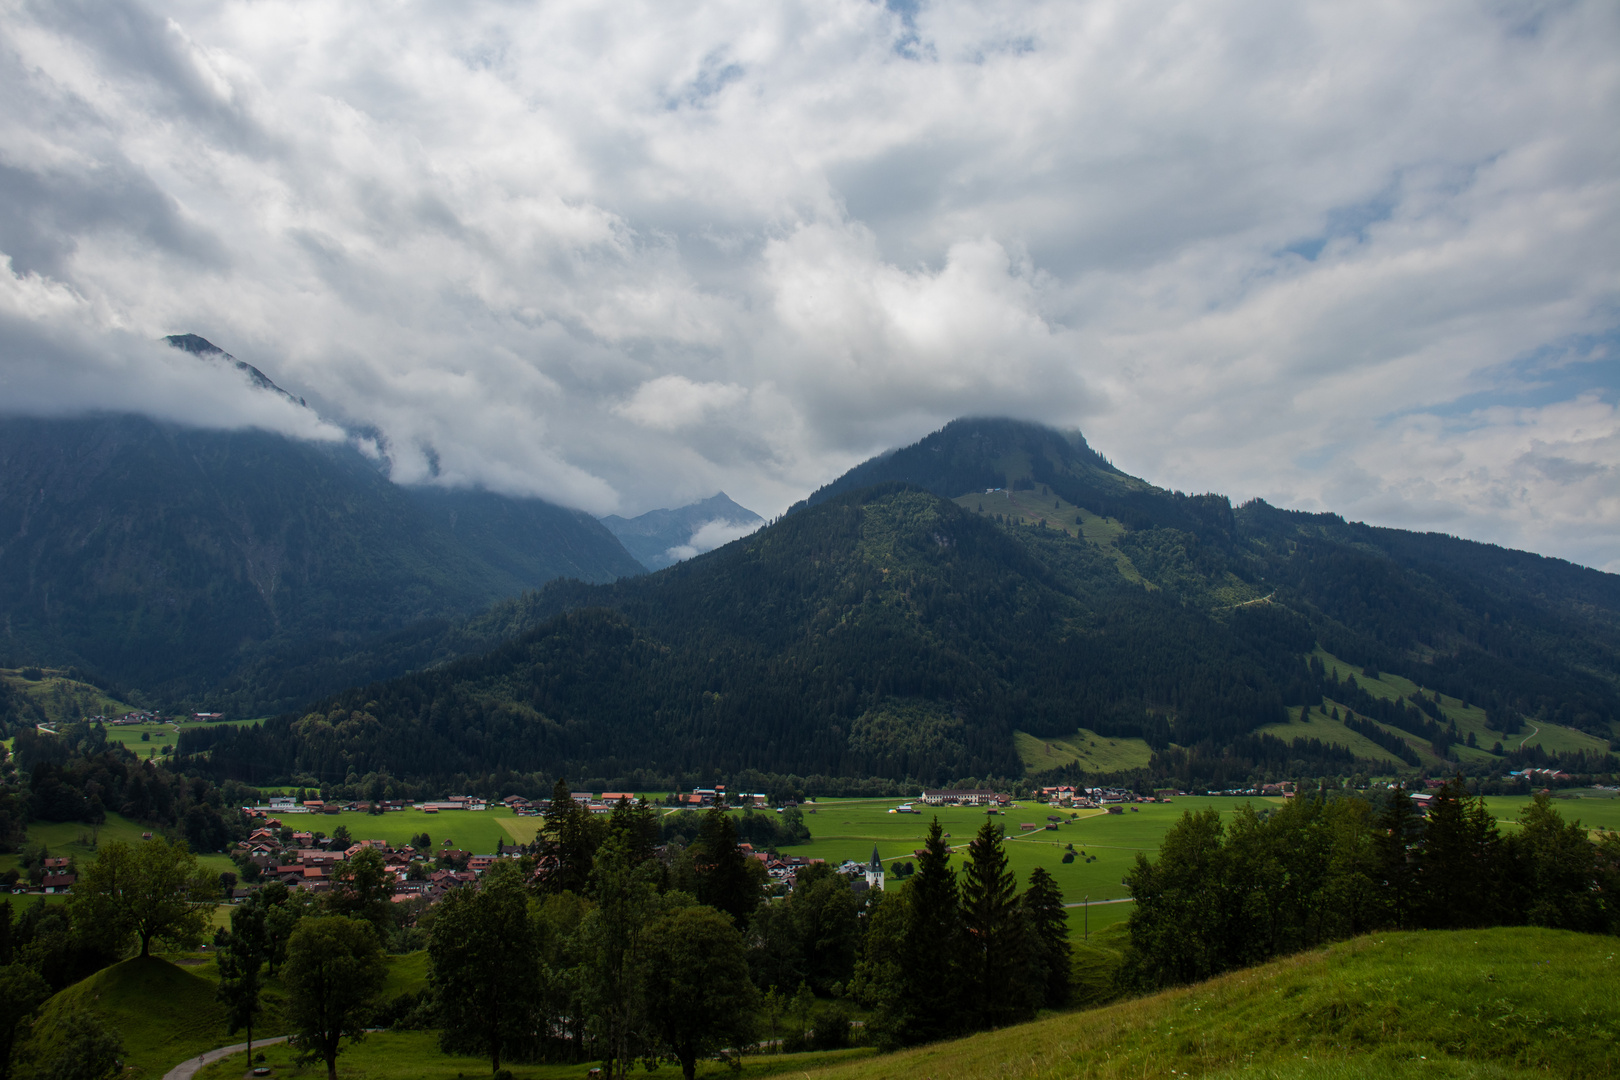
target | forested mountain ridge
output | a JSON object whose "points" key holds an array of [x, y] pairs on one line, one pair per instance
{"points": [[229, 567], [889, 631]]}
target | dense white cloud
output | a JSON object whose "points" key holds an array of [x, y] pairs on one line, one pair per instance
{"points": [[1340, 256]]}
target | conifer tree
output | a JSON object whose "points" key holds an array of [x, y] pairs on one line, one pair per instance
{"points": [[1558, 867], [990, 924], [1046, 930], [240, 954], [569, 842], [1459, 865], [1397, 832], [720, 869], [930, 948]]}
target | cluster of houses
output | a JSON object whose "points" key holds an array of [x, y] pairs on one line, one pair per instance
{"points": [[298, 860], [717, 796]]}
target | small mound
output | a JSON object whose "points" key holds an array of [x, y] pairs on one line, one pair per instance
{"points": [[164, 1012]]}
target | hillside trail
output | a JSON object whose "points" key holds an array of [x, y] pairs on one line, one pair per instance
{"points": [[1528, 737], [189, 1067]]}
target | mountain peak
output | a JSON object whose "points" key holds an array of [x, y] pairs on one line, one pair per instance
{"points": [[661, 538], [975, 453], [201, 346]]}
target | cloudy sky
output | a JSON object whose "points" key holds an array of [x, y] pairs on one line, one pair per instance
{"points": [[1353, 256]]}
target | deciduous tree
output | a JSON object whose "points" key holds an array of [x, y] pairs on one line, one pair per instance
{"points": [[486, 966], [334, 971], [154, 891], [698, 985]]}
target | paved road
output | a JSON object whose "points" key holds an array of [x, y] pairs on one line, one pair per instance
{"points": [[188, 1068]]}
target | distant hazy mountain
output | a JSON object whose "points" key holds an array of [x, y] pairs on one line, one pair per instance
{"points": [[661, 538], [952, 608], [233, 566]]}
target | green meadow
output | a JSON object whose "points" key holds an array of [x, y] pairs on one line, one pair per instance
{"points": [[165, 1006], [415, 1055], [1105, 845], [1506, 1003], [1503, 1004], [1031, 508], [81, 842], [63, 698], [1092, 752], [1552, 738], [468, 830]]}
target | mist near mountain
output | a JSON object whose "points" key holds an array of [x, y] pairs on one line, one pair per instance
{"points": [[184, 564], [661, 538]]}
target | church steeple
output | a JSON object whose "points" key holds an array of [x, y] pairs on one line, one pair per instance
{"points": [[874, 871]]}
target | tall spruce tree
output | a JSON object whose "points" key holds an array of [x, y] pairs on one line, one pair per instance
{"points": [[1459, 868], [1046, 935], [991, 947], [930, 948], [569, 844], [1397, 833], [721, 876], [1557, 866], [240, 954]]}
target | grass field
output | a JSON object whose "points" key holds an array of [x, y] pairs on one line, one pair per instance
{"points": [[1095, 753], [1031, 507], [415, 1055], [1552, 738], [470, 830], [1506, 1004], [63, 698], [848, 828], [165, 1013], [1495, 1003], [80, 842]]}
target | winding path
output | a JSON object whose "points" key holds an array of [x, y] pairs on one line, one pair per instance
{"points": [[1530, 736], [188, 1068]]}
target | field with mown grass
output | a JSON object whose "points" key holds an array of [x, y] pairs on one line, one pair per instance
{"points": [[1092, 752], [1505, 1003], [1552, 738], [468, 830], [63, 698], [1105, 845], [81, 842]]}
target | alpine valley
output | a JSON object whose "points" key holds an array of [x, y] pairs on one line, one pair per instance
{"points": [[995, 601]]}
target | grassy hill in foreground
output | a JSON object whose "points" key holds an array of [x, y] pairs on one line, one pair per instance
{"points": [[1495, 1003], [164, 1012], [1506, 1003]]}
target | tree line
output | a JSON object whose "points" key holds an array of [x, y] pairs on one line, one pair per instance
{"points": [[1222, 895], [601, 943]]}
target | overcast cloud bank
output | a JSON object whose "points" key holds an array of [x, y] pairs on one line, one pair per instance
{"points": [[1345, 257]]}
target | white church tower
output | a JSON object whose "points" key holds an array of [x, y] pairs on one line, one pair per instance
{"points": [[874, 871]]}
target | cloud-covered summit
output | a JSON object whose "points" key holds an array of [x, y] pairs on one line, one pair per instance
{"points": [[618, 256]]}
